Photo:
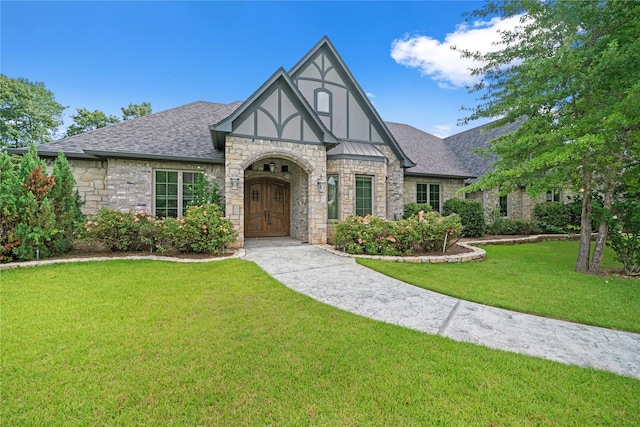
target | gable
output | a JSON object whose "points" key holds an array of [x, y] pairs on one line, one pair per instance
{"points": [[275, 111], [332, 92]]}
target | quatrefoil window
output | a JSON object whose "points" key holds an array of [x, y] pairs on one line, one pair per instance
{"points": [[278, 195], [255, 195]]}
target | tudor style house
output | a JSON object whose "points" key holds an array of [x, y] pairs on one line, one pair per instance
{"points": [[306, 150]]}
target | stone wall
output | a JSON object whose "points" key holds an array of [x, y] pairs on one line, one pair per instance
{"points": [[448, 188], [242, 153], [395, 184], [128, 184]]}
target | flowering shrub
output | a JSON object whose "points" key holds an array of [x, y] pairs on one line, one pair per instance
{"points": [[376, 236], [203, 229]]}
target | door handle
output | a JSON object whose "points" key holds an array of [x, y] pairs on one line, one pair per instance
{"points": [[269, 216], [265, 215]]}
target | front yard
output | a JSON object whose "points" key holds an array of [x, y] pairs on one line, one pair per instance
{"points": [[157, 343]]}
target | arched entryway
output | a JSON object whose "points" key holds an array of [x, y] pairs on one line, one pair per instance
{"points": [[267, 208]]}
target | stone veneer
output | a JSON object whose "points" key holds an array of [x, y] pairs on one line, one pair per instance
{"points": [[126, 184], [448, 188], [311, 159]]}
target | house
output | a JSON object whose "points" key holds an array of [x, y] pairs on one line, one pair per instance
{"points": [[304, 151]]}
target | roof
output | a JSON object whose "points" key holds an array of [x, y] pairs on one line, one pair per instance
{"points": [[464, 143], [180, 133], [356, 150], [432, 156]]}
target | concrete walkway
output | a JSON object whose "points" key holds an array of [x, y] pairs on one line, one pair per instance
{"points": [[342, 283]]}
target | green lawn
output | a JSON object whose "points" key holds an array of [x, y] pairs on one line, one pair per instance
{"points": [[157, 343], [533, 278]]}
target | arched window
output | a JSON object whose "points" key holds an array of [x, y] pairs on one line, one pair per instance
{"points": [[323, 101]]}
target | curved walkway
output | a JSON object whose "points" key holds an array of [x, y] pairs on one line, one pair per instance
{"points": [[341, 282]]}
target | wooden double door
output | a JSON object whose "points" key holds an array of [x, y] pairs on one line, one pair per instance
{"points": [[266, 207]]}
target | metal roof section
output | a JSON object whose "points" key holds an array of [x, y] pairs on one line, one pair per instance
{"points": [[277, 110], [356, 151], [432, 155], [179, 133], [323, 69]]}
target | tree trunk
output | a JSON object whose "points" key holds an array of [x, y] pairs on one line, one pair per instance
{"points": [[603, 230], [582, 265]]}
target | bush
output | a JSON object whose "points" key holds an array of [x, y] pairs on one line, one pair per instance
{"points": [[624, 233], [558, 218], [412, 209], [376, 236], [471, 215], [203, 229], [38, 213], [505, 226]]}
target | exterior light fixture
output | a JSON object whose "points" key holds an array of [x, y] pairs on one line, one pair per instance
{"points": [[234, 180], [272, 167], [322, 183]]}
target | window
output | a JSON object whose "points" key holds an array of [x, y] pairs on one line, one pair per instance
{"points": [[332, 197], [429, 193], [554, 196], [323, 101], [173, 192], [503, 203], [364, 202]]}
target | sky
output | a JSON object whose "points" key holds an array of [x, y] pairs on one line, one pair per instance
{"points": [[105, 55]]}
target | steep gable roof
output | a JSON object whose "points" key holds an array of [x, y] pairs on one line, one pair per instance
{"points": [[464, 144], [278, 114], [430, 153], [311, 74], [181, 133]]}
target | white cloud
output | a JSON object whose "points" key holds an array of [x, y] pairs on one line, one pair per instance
{"points": [[436, 59], [442, 131]]}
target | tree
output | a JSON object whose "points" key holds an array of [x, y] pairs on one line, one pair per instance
{"points": [[29, 113], [569, 72], [133, 111], [85, 121]]}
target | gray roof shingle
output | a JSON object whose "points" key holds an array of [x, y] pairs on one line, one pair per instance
{"points": [[464, 143], [178, 133], [430, 153]]}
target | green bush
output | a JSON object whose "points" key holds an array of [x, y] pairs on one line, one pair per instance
{"points": [[373, 235], [38, 213], [505, 226], [624, 233], [471, 215], [203, 229], [557, 217], [411, 209]]}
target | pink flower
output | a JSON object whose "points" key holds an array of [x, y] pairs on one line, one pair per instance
{"points": [[391, 239], [136, 219]]}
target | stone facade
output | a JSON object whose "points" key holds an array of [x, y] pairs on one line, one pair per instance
{"points": [[311, 161], [448, 188], [125, 184]]}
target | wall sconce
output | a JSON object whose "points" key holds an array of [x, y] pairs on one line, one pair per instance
{"points": [[234, 180], [322, 183], [272, 167]]}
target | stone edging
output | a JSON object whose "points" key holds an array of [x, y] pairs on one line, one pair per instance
{"points": [[237, 254], [476, 255]]}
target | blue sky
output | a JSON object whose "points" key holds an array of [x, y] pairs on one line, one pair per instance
{"points": [[104, 55]]}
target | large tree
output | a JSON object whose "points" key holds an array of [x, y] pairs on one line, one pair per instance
{"points": [[85, 121], [29, 113], [570, 72]]}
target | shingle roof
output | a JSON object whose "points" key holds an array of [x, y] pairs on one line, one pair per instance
{"points": [[430, 153], [465, 142], [179, 133]]}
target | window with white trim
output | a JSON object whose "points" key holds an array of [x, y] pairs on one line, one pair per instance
{"points": [[503, 204], [428, 193], [173, 192], [332, 197], [323, 101], [554, 196]]}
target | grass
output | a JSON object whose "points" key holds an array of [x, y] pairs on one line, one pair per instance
{"points": [[533, 278], [156, 343]]}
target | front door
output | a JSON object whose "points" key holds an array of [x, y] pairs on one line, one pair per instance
{"points": [[266, 205]]}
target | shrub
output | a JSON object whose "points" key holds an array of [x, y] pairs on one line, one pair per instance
{"points": [[471, 215], [376, 236], [558, 218], [505, 226], [411, 209], [203, 229], [624, 234], [37, 212]]}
